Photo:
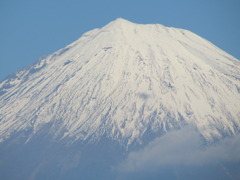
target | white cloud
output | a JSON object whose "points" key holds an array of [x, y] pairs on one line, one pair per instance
{"points": [[181, 147]]}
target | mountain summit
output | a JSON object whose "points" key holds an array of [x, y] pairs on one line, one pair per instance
{"points": [[125, 81], [126, 101]]}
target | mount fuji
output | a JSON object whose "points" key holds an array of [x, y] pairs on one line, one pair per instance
{"points": [[113, 94]]}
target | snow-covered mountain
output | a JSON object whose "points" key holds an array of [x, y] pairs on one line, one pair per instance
{"points": [[124, 102], [124, 81]]}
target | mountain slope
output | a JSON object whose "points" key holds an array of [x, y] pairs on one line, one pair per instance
{"points": [[124, 81]]}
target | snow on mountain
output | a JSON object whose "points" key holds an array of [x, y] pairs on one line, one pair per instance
{"points": [[123, 81]]}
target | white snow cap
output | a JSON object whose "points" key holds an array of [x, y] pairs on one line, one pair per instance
{"points": [[123, 81]]}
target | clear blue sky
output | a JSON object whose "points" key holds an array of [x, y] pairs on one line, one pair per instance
{"points": [[30, 29]]}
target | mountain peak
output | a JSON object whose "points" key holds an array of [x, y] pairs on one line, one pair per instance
{"points": [[121, 20], [120, 23], [118, 100], [124, 81]]}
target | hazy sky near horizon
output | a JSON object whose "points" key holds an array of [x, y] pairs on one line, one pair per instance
{"points": [[31, 29]]}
